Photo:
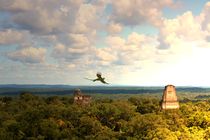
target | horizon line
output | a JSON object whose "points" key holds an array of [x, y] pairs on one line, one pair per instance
{"points": [[110, 85]]}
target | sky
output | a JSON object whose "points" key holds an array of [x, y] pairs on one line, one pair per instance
{"points": [[131, 42]]}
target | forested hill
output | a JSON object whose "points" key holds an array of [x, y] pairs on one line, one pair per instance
{"points": [[68, 89], [33, 117]]}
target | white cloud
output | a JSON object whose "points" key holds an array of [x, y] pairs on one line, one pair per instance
{"points": [[28, 55], [132, 12], [106, 54], [135, 48], [119, 51], [71, 66], [89, 36], [86, 19], [205, 20], [10, 36], [79, 40], [183, 29], [71, 26], [114, 28], [42, 17], [205, 17], [73, 54], [137, 39], [60, 48], [15, 5], [115, 41]]}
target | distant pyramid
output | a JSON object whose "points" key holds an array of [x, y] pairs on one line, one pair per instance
{"points": [[81, 99], [169, 99]]}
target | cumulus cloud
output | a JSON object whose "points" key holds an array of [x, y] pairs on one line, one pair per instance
{"points": [[10, 36], [184, 28], [119, 51], [42, 17], [133, 12], [115, 41], [205, 20], [114, 28], [28, 55], [135, 48], [137, 39], [86, 35], [206, 17], [71, 24], [72, 54], [79, 40], [106, 56], [85, 18], [16, 5]]}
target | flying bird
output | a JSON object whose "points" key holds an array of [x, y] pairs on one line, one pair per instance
{"points": [[99, 78]]}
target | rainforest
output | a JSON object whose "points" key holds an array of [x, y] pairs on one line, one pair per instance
{"points": [[139, 117]]}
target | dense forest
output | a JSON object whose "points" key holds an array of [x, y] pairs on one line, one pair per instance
{"points": [[32, 117]]}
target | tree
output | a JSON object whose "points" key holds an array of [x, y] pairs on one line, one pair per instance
{"points": [[148, 106]]}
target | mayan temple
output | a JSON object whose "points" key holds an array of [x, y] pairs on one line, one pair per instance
{"points": [[169, 99], [81, 99]]}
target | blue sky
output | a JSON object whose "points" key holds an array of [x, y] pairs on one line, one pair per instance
{"points": [[145, 43]]}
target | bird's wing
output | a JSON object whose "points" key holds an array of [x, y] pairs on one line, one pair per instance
{"points": [[104, 81], [95, 79]]}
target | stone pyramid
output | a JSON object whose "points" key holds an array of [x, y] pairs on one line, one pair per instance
{"points": [[169, 99]]}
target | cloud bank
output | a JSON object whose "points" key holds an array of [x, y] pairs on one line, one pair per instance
{"points": [[79, 36]]}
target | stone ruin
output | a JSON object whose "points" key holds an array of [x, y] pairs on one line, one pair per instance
{"points": [[81, 99], [169, 99]]}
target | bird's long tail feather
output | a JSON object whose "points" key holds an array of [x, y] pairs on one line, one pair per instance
{"points": [[89, 79]]}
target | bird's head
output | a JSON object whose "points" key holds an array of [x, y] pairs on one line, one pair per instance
{"points": [[98, 74]]}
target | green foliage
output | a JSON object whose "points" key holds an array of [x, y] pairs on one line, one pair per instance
{"points": [[148, 106], [138, 118]]}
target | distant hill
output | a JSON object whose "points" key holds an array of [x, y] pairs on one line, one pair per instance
{"points": [[13, 89], [34, 86]]}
